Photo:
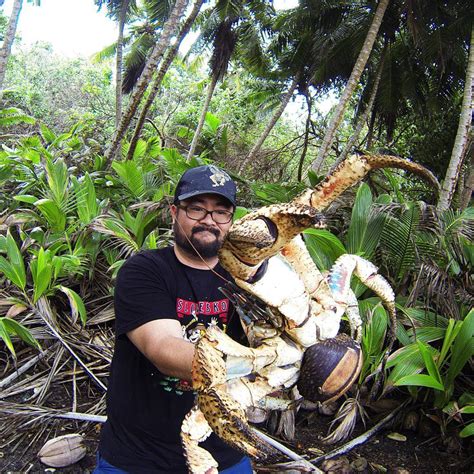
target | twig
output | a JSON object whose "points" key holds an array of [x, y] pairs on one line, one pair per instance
{"points": [[360, 439], [286, 451], [6, 381], [74, 387]]}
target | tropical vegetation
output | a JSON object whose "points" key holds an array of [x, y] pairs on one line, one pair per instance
{"points": [[91, 152]]}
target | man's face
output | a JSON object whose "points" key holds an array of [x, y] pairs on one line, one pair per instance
{"points": [[201, 237]]}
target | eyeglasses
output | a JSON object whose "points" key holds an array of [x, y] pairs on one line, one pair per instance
{"points": [[197, 213]]}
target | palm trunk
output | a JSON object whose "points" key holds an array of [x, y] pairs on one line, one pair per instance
{"points": [[363, 118], [119, 63], [468, 188], [210, 91], [306, 137], [351, 84], [169, 30], [8, 40], [273, 121], [160, 75], [462, 136], [370, 132]]}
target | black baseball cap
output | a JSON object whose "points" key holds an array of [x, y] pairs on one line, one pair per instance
{"points": [[206, 179]]}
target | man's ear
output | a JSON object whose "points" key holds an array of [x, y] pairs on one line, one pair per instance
{"points": [[173, 212]]}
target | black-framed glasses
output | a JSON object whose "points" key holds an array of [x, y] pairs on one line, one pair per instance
{"points": [[197, 213]]}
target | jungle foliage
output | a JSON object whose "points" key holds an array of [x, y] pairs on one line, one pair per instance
{"points": [[70, 217]]}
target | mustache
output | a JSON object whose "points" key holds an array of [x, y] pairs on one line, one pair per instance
{"points": [[202, 228]]}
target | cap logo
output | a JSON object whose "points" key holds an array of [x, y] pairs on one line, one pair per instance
{"points": [[218, 177]]}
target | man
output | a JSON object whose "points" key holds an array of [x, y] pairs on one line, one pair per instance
{"points": [[163, 299]]}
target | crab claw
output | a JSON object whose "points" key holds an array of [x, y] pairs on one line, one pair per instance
{"points": [[264, 233], [222, 412]]}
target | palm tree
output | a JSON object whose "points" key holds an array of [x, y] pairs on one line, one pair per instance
{"points": [[302, 49], [351, 84], [233, 27], [223, 46], [8, 39], [118, 9], [169, 30], [362, 119], [274, 119], [160, 75], [460, 144]]}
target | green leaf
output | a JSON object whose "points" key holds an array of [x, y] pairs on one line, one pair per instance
{"points": [[86, 200], [427, 334], [429, 361], [14, 327], [467, 431], [463, 348], [467, 398], [41, 270], [450, 335], [140, 149], [420, 380], [365, 228], [14, 267], [240, 212], [131, 176], [54, 215], [58, 180], [373, 336], [468, 410], [76, 303], [398, 238], [211, 123], [47, 134], [25, 198], [162, 192], [12, 116], [405, 361], [324, 247], [4, 335]]}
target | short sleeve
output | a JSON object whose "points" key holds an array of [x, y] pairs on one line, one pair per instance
{"points": [[143, 293]]}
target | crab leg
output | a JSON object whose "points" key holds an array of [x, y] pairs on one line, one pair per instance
{"points": [[340, 279], [194, 430], [354, 169]]}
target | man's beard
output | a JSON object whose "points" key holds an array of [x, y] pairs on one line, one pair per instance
{"points": [[194, 246]]}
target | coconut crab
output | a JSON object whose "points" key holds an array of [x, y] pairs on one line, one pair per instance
{"points": [[267, 257]]}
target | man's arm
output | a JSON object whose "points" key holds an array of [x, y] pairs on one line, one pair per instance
{"points": [[161, 341]]}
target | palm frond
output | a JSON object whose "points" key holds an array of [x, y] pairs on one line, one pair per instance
{"points": [[351, 410]]}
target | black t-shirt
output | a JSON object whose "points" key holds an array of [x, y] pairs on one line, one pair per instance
{"points": [[145, 408]]}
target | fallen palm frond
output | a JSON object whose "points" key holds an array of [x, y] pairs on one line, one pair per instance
{"points": [[24, 368], [45, 312], [18, 409], [362, 438]]}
